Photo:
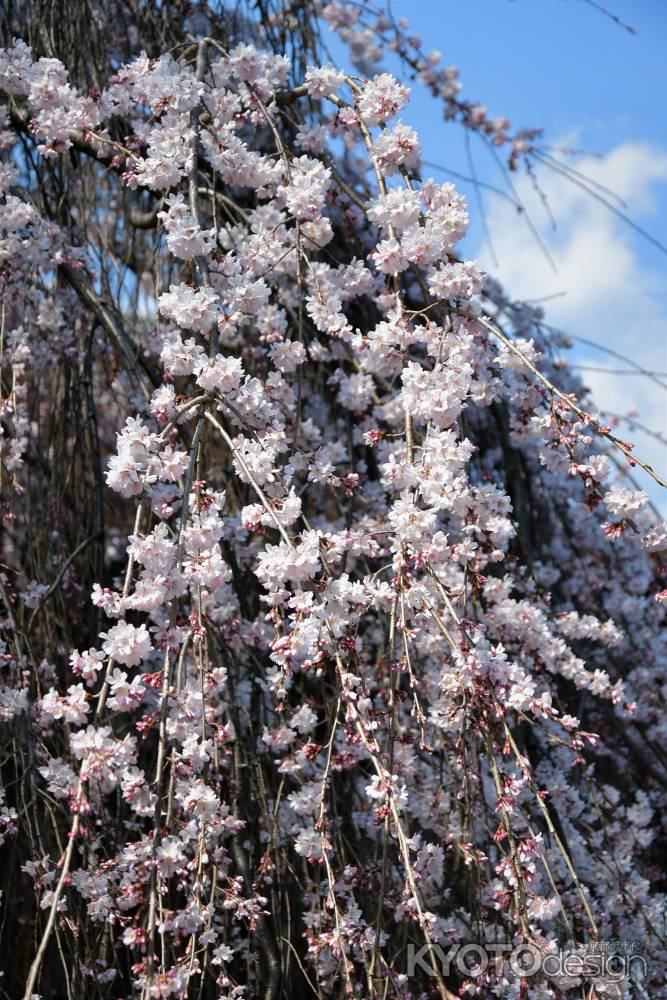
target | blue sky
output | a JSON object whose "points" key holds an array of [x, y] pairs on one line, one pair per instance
{"points": [[556, 64], [564, 66]]}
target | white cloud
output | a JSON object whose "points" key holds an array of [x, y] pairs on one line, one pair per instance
{"points": [[610, 296]]}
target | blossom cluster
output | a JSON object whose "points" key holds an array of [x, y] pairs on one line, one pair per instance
{"points": [[369, 652]]}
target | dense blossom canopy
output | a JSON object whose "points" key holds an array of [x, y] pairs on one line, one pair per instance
{"points": [[333, 625]]}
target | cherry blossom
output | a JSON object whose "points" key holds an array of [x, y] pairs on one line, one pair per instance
{"points": [[333, 617]]}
